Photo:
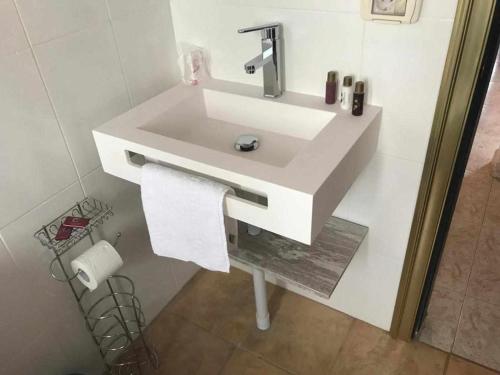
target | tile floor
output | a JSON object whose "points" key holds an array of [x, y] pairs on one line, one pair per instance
{"points": [[464, 311], [209, 328]]}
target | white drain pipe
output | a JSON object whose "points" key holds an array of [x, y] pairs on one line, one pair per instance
{"points": [[259, 287]]}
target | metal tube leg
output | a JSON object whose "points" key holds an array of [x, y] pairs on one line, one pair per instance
{"points": [[259, 286]]}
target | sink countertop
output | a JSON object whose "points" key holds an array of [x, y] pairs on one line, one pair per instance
{"points": [[320, 173]]}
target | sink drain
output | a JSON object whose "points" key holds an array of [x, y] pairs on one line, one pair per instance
{"points": [[246, 142]]}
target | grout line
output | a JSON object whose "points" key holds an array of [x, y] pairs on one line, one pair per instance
{"points": [[38, 205], [361, 64], [84, 189], [16, 52], [57, 118], [230, 355], [342, 346], [476, 246], [92, 26], [446, 363], [266, 360], [419, 162], [490, 369], [236, 346], [9, 251], [120, 58]]}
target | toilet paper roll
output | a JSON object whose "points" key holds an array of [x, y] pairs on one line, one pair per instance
{"points": [[96, 264]]}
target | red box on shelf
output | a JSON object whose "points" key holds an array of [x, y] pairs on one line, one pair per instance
{"points": [[75, 222], [63, 233]]}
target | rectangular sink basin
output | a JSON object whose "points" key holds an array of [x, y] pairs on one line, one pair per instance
{"points": [[309, 153], [215, 119]]}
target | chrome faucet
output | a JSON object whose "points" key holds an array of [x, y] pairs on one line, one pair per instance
{"points": [[270, 59]]}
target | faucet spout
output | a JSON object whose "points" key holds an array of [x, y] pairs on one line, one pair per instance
{"points": [[259, 61], [270, 60]]}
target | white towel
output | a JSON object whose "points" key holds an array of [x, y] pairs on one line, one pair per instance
{"points": [[185, 216]]}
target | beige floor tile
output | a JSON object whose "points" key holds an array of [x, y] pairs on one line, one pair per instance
{"points": [[459, 366], [304, 337], [246, 363], [493, 210], [493, 96], [487, 138], [474, 194], [222, 304], [478, 335], [185, 349], [457, 260], [369, 351], [484, 283], [458, 256], [440, 324]]}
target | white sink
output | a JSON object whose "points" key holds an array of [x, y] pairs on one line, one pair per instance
{"points": [[309, 154], [214, 119]]}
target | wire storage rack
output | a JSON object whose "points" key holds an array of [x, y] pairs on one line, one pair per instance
{"points": [[112, 313]]}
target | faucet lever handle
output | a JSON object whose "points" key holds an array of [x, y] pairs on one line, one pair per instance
{"points": [[268, 31]]}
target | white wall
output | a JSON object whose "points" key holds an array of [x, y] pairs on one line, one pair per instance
{"points": [[66, 67], [403, 66]]}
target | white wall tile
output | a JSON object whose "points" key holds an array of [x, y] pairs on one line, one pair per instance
{"points": [[85, 82], [439, 9], [42, 354], [383, 198], [369, 286], [12, 37], [322, 5], [147, 50], [15, 292], [183, 271], [29, 255], [404, 65], [35, 161], [48, 19], [120, 8], [125, 199]]}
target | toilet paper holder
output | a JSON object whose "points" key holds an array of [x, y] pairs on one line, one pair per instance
{"points": [[113, 315]]}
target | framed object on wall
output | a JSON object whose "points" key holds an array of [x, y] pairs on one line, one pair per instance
{"points": [[391, 11]]}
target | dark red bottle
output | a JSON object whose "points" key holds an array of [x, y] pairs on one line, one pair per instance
{"points": [[358, 98], [331, 88]]}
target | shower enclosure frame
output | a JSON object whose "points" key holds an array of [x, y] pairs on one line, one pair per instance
{"points": [[469, 62]]}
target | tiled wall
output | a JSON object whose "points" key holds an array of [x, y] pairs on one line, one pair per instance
{"points": [[66, 67], [403, 67]]}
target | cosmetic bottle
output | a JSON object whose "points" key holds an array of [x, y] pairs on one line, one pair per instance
{"points": [[331, 88], [358, 98], [346, 94]]}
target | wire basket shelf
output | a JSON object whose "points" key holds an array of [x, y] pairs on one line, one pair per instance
{"points": [[94, 210], [114, 318]]}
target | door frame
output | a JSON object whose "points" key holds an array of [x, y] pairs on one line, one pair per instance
{"points": [[463, 68]]}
